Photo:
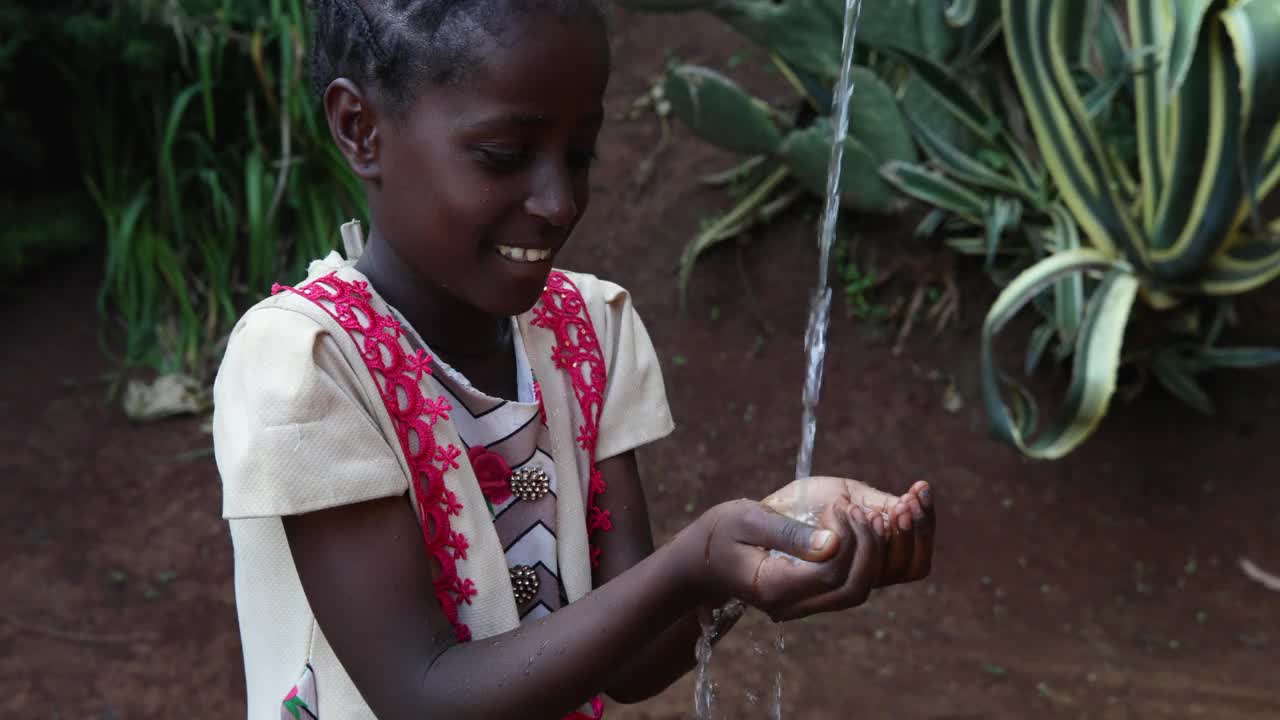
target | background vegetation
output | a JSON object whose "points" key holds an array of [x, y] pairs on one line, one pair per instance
{"points": [[1107, 162]]}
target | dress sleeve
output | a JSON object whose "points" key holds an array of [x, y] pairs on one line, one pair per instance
{"points": [[293, 430], [635, 410]]}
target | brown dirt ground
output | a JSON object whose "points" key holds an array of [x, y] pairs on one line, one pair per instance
{"points": [[1104, 586]]}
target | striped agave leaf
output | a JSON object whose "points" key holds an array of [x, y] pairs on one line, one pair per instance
{"points": [[1204, 135], [1096, 358], [1035, 32]]}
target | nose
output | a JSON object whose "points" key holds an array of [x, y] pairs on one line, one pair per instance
{"points": [[552, 197]]}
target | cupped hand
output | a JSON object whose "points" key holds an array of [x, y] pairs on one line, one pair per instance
{"points": [[832, 567], [906, 523]]}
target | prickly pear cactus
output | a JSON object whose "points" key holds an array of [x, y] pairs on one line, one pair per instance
{"points": [[718, 111]]}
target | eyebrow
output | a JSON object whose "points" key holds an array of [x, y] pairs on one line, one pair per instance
{"points": [[508, 119], [523, 119]]}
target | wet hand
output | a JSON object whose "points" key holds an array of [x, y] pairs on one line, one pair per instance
{"points": [[905, 522], [832, 567]]}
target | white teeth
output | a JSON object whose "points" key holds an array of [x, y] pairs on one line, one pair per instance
{"points": [[524, 254]]}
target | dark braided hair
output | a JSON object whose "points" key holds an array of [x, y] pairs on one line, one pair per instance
{"points": [[394, 47]]}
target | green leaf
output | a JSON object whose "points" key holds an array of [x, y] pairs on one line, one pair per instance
{"points": [[1238, 357], [1204, 186], [1173, 375], [936, 189], [1183, 19], [1113, 47], [1071, 147], [963, 166], [1097, 354], [958, 101], [801, 31], [936, 37], [723, 228], [718, 111], [1242, 267], [885, 25], [875, 119], [1254, 30], [807, 153], [977, 246], [1002, 214], [1068, 293], [961, 12], [1040, 339], [1078, 33]]}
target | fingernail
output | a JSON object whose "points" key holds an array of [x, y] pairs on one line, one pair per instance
{"points": [[925, 495], [820, 539]]}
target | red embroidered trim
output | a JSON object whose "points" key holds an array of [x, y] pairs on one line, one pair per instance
{"points": [[563, 311], [597, 711], [397, 374]]}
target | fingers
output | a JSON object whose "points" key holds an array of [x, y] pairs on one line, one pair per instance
{"points": [[924, 522], [863, 572], [866, 496], [901, 548], [773, 531]]}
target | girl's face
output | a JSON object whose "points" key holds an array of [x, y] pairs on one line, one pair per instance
{"points": [[481, 182]]}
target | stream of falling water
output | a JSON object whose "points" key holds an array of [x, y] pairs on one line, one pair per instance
{"points": [[815, 336], [815, 348]]}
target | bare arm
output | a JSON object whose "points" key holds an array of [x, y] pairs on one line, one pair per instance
{"points": [[664, 659], [368, 581]]}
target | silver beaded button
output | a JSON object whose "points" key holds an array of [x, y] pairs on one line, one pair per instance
{"points": [[530, 483], [524, 583]]}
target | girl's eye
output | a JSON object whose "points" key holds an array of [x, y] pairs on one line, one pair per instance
{"points": [[502, 159]]}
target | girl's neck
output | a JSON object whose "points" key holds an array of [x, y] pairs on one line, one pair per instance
{"points": [[460, 333]]}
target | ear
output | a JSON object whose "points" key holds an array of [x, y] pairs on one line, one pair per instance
{"points": [[353, 123]]}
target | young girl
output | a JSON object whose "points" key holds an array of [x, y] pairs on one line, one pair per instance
{"points": [[427, 448]]}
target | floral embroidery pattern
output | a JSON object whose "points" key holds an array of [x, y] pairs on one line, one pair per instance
{"points": [[563, 311], [492, 472], [397, 374]]}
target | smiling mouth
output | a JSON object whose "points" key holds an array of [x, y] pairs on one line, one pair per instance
{"points": [[525, 255]]}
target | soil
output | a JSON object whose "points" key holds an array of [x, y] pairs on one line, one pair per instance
{"points": [[1103, 586]]}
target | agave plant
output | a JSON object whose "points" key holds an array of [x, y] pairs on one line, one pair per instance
{"points": [[787, 152], [1164, 211]]}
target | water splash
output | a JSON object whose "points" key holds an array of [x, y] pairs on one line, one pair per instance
{"points": [[704, 689], [713, 626], [775, 706]]}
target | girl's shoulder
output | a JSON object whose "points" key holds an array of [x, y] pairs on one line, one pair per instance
{"points": [[294, 418], [608, 303], [286, 322]]}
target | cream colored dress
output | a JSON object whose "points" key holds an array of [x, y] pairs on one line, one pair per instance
{"points": [[301, 423]]}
